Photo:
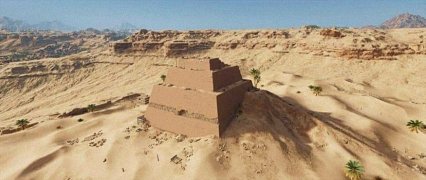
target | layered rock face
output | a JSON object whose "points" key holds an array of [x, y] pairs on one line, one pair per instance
{"points": [[45, 44], [199, 97], [366, 44]]}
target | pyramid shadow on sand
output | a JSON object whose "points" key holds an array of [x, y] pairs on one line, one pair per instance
{"points": [[289, 124]]}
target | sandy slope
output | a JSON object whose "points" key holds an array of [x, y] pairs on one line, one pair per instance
{"points": [[281, 134]]}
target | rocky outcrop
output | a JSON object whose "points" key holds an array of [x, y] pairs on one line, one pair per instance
{"points": [[169, 43], [75, 112], [120, 47], [36, 68], [37, 45], [13, 130], [139, 98], [331, 33], [147, 46], [186, 47], [387, 53]]}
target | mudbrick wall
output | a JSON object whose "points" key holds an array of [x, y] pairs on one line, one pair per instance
{"points": [[225, 77], [185, 78], [201, 64], [211, 75], [169, 121], [189, 101], [229, 102]]}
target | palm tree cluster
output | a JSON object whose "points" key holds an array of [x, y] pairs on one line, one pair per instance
{"points": [[91, 107], [22, 123], [315, 89], [354, 170], [255, 73], [415, 125]]}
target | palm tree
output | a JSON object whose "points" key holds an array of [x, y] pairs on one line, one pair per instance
{"points": [[315, 89], [22, 123], [415, 125], [354, 170], [163, 77], [91, 107], [255, 73]]}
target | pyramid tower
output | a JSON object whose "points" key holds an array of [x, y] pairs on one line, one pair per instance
{"points": [[199, 97]]}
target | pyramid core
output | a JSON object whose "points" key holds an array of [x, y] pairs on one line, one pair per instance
{"points": [[199, 97]]}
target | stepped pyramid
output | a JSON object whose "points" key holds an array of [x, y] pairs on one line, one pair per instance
{"points": [[199, 97]]}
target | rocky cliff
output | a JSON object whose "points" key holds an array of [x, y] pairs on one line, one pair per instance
{"points": [[43, 44], [342, 43]]}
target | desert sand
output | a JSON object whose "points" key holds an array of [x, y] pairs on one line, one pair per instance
{"points": [[283, 132]]}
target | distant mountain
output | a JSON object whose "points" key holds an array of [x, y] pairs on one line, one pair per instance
{"points": [[370, 27], [10, 24], [405, 20], [53, 25], [13, 25], [125, 27]]}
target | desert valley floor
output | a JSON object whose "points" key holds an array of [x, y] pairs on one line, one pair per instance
{"points": [[283, 131]]}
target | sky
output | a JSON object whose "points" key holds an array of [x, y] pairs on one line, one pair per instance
{"points": [[210, 14]]}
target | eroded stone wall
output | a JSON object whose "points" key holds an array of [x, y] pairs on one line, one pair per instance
{"points": [[188, 100]]}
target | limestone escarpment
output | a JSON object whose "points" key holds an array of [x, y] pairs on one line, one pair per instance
{"points": [[43, 44], [345, 43], [199, 97]]}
